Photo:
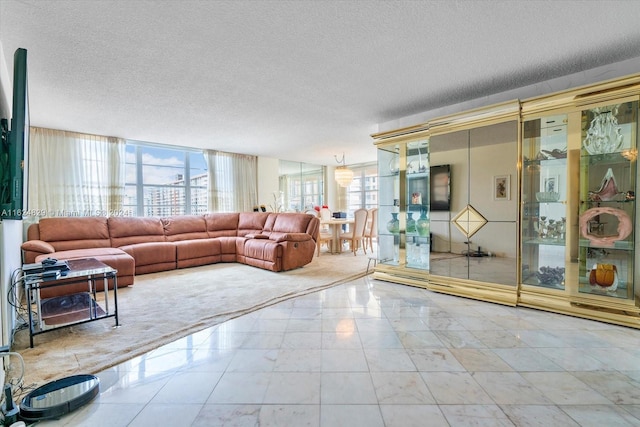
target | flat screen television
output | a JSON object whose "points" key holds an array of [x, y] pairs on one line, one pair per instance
{"points": [[15, 143], [440, 188]]}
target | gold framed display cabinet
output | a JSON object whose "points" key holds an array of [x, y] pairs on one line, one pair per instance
{"points": [[530, 202], [579, 174], [468, 197], [403, 208]]}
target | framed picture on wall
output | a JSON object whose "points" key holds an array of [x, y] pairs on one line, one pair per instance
{"points": [[502, 187]]}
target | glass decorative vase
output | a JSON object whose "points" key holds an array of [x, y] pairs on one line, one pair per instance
{"points": [[393, 226], [422, 224], [604, 135], [411, 223]]}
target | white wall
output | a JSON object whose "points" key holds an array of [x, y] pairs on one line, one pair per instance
{"points": [[5, 87], [268, 172]]}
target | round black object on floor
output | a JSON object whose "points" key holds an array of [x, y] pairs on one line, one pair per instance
{"points": [[59, 397]]}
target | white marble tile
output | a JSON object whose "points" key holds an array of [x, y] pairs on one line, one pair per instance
{"points": [[388, 360], [305, 313], [98, 415], [293, 388], [575, 359], [413, 416], [406, 388], [408, 324], [480, 359], [348, 416], [339, 325], [267, 340], [240, 388], [498, 339], [373, 325], [133, 387], [166, 414], [253, 361], [475, 415], [562, 388], [372, 353], [347, 388], [341, 340], [510, 388], [344, 360], [434, 359], [477, 323], [580, 338], [289, 415], [304, 325], [601, 415], [459, 339], [618, 358], [187, 387], [539, 338], [455, 388], [380, 339], [299, 360], [227, 416], [419, 339], [615, 386], [526, 359], [270, 325], [302, 340], [538, 416]]}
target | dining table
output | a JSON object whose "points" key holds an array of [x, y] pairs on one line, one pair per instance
{"points": [[335, 224]]}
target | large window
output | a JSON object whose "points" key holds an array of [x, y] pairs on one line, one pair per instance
{"points": [[302, 185], [363, 191], [163, 181]]}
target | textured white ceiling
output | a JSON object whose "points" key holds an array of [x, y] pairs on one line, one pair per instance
{"points": [[296, 80]]}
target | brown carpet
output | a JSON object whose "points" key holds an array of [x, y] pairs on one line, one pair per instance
{"points": [[163, 307]]}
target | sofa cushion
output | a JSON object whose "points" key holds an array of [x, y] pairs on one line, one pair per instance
{"points": [[252, 222], [152, 256], [222, 224], [131, 230], [262, 253], [190, 253], [184, 227], [66, 233]]}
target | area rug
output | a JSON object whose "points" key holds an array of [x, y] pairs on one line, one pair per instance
{"points": [[163, 307]]}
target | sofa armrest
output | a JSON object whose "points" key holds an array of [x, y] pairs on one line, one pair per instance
{"points": [[38, 246], [290, 237], [256, 236]]}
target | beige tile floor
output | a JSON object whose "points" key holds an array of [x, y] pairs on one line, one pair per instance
{"points": [[370, 353]]}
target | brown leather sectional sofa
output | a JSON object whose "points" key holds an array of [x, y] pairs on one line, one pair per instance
{"points": [[139, 245]]}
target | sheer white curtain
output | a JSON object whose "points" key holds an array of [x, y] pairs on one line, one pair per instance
{"points": [[75, 174], [233, 182]]}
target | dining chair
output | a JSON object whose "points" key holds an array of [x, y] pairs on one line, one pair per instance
{"points": [[355, 235], [371, 230], [325, 236]]}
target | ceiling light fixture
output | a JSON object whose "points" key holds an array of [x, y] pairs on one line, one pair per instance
{"points": [[343, 175]]}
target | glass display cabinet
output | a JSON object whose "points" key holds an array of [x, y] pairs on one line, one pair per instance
{"points": [[526, 202], [417, 242], [389, 205], [608, 175], [403, 210], [578, 210], [544, 201]]}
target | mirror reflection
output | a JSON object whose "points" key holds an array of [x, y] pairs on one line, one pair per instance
{"points": [[476, 238]]}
